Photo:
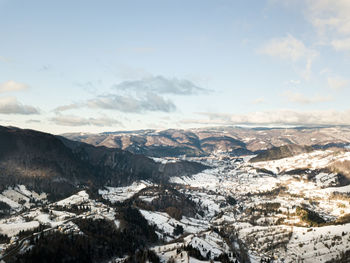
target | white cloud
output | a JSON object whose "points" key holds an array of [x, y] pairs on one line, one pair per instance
{"points": [[341, 44], [10, 105], [295, 82], [72, 120], [330, 19], [288, 48], [299, 98], [71, 106], [291, 49], [330, 16], [259, 101], [337, 83], [11, 85], [276, 117], [33, 121], [306, 74]]}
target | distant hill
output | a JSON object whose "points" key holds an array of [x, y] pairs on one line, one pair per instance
{"points": [[205, 141], [284, 151], [168, 143]]}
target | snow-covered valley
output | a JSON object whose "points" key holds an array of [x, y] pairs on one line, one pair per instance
{"points": [[289, 210]]}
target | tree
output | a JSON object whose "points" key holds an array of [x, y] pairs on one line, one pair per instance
{"points": [[178, 230]]}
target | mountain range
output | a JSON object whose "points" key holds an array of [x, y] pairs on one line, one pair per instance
{"points": [[203, 142]]}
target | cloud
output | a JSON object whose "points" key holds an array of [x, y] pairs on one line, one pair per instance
{"points": [[291, 49], [288, 48], [148, 102], [330, 16], [294, 82], [341, 44], [72, 120], [128, 104], [10, 105], [33, 121], [68, 107], [259, 101], [11, 85], [138, 96], [337, 83], [307, 72], [5, 59], [276, 117], [161, 85], [331, 21], [299, 98]]}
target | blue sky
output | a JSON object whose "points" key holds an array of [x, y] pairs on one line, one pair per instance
{"points": [[93, 66]]}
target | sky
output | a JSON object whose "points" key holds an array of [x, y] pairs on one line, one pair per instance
{"points": [[95, 66]]}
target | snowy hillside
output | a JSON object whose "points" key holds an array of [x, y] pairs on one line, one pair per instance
{"points": [[287, 210]]}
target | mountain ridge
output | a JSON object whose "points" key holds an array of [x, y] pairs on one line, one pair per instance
{"points": [[204, 141], [56, 165]]}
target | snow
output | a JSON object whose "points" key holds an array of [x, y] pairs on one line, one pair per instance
{"points": [[208, 241], [318, 238], [343, 189], [120, 194], [14, 225], [22, 189], [312, 160], [210, 188], [10, 202], [166, 224], [326, 180], [147, 199], [164, 160], [78, 198], [19, 197], [231, 197]]}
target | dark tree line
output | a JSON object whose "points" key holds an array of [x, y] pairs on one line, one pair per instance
{"points": [[4, 239], [101, 241], [5, 209]]}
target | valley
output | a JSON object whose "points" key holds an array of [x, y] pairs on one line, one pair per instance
{"points": [[238, 209]]}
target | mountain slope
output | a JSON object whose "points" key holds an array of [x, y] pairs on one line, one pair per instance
{"points": [[58, 166], [281, 152], [40, 161]]}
